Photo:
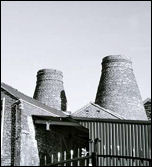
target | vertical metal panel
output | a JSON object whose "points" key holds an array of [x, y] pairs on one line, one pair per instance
{"points": [[99, 144], [110, 142], [143, 132], [95, 130], [146, 143], [120, 141], [93, 133], [114, 142], [102, 143], [127, 144], [106, 134], [130, 137], [149, 141], [133, 143], [137, 143], [123, 144], [117, 143], [140, 146], [90, 136]]}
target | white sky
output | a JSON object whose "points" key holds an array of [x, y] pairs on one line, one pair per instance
{"points": [[73, 37]]}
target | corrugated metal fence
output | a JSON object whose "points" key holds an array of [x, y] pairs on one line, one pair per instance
{"points": [[119, 137]]}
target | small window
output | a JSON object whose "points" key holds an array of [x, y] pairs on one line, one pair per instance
{"points": [[87, 111]]}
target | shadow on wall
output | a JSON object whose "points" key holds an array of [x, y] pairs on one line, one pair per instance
{"points": [[63, 101]]}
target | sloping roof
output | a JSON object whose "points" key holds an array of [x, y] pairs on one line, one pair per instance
{"points": [[147, 100], [92, 110], [19, 95]]}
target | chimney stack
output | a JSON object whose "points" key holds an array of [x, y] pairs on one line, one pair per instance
{"points": [[49, 89], [118, 90]]}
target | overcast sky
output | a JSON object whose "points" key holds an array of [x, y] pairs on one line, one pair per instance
{"points": [[73, 37]]}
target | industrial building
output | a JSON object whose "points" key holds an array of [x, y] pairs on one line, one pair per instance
{"points": [[115, 126]]}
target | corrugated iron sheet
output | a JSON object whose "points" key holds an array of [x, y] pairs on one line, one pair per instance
{"points": [[126, 138]]}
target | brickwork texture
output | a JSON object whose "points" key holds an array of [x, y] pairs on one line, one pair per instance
{"points": [[118, 90], [49, 89]]}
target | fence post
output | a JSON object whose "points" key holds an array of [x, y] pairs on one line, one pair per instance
{"points": [[45, 163], [96, 140], [52, 158], [65, 157], [78, 163], [71, 156], [94, 159]]}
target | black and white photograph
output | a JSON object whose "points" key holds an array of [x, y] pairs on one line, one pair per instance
{"points": [[75, 83]]}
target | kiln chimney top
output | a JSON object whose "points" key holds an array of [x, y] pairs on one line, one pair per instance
{"points": [[113, 58]]}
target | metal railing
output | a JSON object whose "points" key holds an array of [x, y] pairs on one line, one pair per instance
{"points": [[105, 160]]}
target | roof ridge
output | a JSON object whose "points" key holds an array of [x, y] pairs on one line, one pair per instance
{"points": [[101, 108], [146, 100], [81, 108], [3, 86], [109, 111], [22, 100]]}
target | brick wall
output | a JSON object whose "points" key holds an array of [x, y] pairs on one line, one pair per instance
{"points": [[49, 142], [29, 153], [148, 109], [36, 141], [26, 143], [6, 147], [19, 143]]}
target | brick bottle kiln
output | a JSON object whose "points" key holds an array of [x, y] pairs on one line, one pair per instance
{"points": [[49, 89], [118, 90]]}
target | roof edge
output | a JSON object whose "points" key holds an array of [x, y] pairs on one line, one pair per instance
{"points": [[101, 108], [4, 86], [146, 100], [108, 111]]}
